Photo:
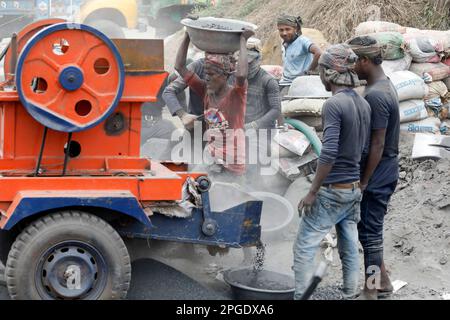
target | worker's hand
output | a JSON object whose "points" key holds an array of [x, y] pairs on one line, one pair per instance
{"points": [[306, 203], [188, 120], [247, 33]]}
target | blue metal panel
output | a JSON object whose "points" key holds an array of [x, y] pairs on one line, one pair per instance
{"points": [[31, 206], [236, 227], [44, 117]]}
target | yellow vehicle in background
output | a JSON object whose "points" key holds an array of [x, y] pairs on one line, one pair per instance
{"points": [[110, 16]]}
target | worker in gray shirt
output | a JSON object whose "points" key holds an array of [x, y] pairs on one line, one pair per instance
{"points": [[263, 93], [335, 194], [380, 166], [178, 86]]}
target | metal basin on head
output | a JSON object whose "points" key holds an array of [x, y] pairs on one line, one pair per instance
{"points": [[216, 35]]}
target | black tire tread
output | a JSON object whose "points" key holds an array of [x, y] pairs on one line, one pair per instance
{"points": [[41, 224]]}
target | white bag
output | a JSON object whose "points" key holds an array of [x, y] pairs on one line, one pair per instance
{"points": [[413, 110], [308, 86], [438, 71], [437, 89], [408, 85], [429, 125], [390, 66], [378, 26], [421, 50], [303, 107], [293, 140], [438, 38]]}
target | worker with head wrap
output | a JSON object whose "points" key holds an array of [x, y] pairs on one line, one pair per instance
{"points": [[300, 55], [263, 95], [224, 105], [380, 167], [335, 195], [263, 101]]}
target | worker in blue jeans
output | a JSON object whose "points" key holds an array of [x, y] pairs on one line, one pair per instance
{"points": [[335, 195], [380, 167]]}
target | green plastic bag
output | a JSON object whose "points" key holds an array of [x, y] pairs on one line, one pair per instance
{"points": [[392, 43]]}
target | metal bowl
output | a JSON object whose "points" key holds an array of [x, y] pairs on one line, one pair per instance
{"points": [[216, 35], [263, 285]]}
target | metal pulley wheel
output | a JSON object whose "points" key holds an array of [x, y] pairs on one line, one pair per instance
{"points": [[24, 36], [70, 77]]}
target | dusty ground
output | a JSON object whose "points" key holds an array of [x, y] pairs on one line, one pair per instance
{"points": [[417, 239]]}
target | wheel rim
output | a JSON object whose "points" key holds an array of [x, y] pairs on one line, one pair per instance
{"points": [[70, 77], [71, 270]]}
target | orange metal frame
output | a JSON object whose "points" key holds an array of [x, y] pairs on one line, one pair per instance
{"points": [[106, 162]]}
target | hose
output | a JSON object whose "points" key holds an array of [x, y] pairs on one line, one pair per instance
{"points": [[308, 132]]}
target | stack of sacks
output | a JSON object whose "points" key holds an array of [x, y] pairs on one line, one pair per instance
{"points": [[378, 26], [417, 47], [307, 96], [390, 36], [426, 54], [412, 90], [430, 49]]}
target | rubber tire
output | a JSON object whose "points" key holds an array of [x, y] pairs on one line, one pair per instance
{"points": [[109, 28], [53, 229]]}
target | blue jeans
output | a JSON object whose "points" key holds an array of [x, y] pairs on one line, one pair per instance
{"points": [[333, 207], [373, 209]]}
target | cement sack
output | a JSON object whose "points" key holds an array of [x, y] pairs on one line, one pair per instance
{"points": [[392, 43], [439, 39], [274, 70], [429, 125], [303, 107], [308, 86], [378, 26], [390, 66], [437, 89], [447, 83], [293, 140], [408, 85], [312, 121], [421, 50], [412, 110], [437, 71], [293, 168]]}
